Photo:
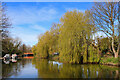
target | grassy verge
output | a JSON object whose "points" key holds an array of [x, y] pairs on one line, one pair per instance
{"points": [[110, 61]]}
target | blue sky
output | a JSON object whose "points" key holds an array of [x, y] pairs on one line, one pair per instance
{"points": [[30, 19]]}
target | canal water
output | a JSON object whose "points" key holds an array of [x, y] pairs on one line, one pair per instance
{"points": [[43, 68]]}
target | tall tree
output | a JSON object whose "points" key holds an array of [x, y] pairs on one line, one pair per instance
{"points": [[75, 32], [105, 18]]}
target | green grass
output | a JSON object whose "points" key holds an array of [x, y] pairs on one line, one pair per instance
{"points": [[109, 60]]}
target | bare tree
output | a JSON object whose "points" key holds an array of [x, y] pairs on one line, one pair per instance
{"points": [[4, 21], [105, 18]]}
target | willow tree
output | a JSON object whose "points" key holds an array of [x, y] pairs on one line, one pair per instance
{"points": [[53, 41], [41, 48], [48, 43], [34, 48], [105, 18], [75, 31]]}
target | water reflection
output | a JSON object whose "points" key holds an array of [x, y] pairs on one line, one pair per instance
{"points": [[55, 63], [6, 61], [43, 68], [13, 67], [9, 60], [52, 69]]}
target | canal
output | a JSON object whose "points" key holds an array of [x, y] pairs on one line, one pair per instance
{"points": [[43, 68]]}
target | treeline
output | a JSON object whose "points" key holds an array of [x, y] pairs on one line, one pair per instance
{"points": [[14, 46], [74, 37], [9, 45]]}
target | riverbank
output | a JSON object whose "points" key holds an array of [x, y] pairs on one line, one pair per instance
{"points": [[110, 61]]}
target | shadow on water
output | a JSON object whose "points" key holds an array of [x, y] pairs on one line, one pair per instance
{"points": [[43, 68]]}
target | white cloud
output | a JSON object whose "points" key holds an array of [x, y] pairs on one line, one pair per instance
{"points": [[27, 35], [38, 27], [31, 15], [98, 35], [71, 9], [25, 21]]}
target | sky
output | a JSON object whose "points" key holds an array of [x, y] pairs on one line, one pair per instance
{"points": [[30, 19]]}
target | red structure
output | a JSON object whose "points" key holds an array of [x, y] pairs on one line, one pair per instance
{"points": [[30, 57], [28, 53]]}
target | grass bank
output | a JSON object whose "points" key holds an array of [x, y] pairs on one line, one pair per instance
{"points": [[110, 61]]}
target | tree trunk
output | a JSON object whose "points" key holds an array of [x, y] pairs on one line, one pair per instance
{"points": [[115, 53]]}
